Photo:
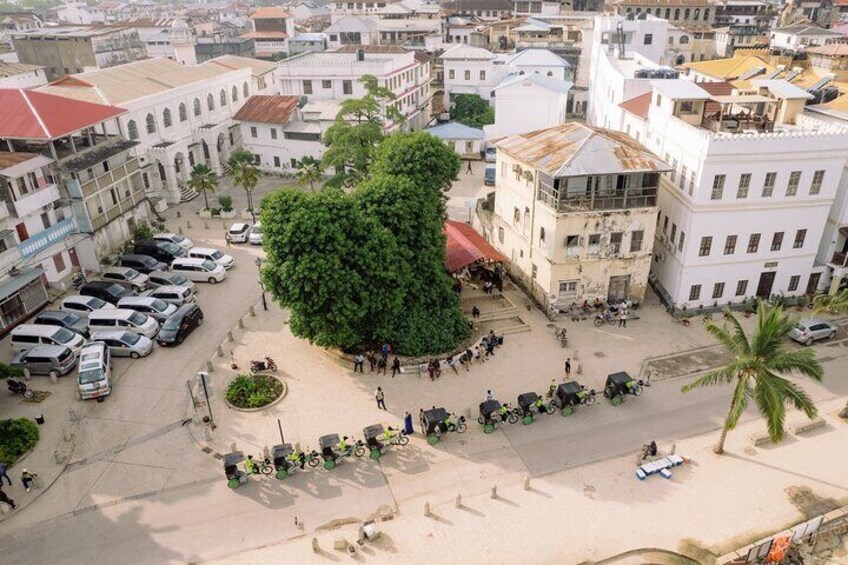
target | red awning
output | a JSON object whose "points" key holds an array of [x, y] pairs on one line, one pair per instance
{"points": [[465, 246]]}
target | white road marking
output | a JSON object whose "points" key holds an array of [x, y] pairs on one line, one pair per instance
{"points": [[616, 335]]}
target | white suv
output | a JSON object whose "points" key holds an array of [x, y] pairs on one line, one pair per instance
{"points": [[239, 233]]}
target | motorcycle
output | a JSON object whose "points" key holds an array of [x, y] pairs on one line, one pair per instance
{"points": [[266, 365], [79, 280], [18, 387], [607, 317]]}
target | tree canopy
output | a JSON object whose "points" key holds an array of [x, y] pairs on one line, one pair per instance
{"points": [[360, 268], [472, 110]]}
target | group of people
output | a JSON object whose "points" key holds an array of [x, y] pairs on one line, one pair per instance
{"points": [[27, 479], [380, 363], [598, 307]]}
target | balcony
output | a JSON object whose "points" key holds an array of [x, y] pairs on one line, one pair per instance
{"points": [[36, 200], [48, 237], [839, 259]]}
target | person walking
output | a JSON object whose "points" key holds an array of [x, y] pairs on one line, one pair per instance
{"points": [[381, 398], [381, 366], [622, 318], [372, 360], [468, 169], [451, 362], [407, 423], [568, 368], [437, 368], [5, 498], [3, 474], [421, 421], [358, 362], [395, 366], [431, 369], [385, 350], [27, 479], [475, 313]]}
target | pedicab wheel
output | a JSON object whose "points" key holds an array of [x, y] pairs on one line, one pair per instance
{"points": [[487, 429], [314, 462], [615, 400], [637, 390], [480, 420], [28, 393], [599, 322], [282, 474], [513, 418], [233, 483], [403, 440], [266, 469], [359, 451], [329, 464], [527, 420], [461, 427], [611, 321], [375, 454], [567, 411], [590, 400], [432, 439]]}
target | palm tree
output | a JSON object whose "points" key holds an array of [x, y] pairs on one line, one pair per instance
{"points": [[203, 180], [755, 374], [245, 174], [309, 171]]}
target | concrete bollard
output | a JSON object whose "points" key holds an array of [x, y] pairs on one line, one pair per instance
{"points": [[233, 447], [494, 491], [188, 225], [27, 375], [458, 502], [315, 547], [527, 483], [673, 448], [468, 414], [180, 230], [575, 355], [266, 453], [72, 414], [241, 323], [220, 351], [54, 378], [230, 336], [427, 509], [205, 225], [224, 224], [179, 215], [209, 367], [579, 368], [252, 312]]}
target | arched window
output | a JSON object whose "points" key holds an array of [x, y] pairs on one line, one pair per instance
{"points": [[697, 13], [223, 98], [684, 39], [210, 102], [196, 106], [648, 11], [183, 112], [235, 93], [706, 14], [151, 124], [166, 118], [686, 13], [132, 129], [550, 73], [676, 14], [245, 91], [668, 13]]}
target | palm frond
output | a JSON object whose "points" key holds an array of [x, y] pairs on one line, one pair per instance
{"points": [[741, 394], [738, 333], [726, 338], [771, 405], [716, 377], [798, 362], [791, 392], [832, 303]]}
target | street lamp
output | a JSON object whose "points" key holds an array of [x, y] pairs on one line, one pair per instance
{"points": [[258, 263]]}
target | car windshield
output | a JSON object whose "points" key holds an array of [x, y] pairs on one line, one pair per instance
{"points": [[216, 255], [170, 247], [69, 319], [208, 265], [178, 280], [130, 338], [158, 305], [172, 323], [177, 238], [801, 327], [63, 335], [90, 375], [115, 290], [96, 303], [131, 273], [137, 318]]}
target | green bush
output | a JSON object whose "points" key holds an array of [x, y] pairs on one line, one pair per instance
{"points": [[215, 211], [226, 202], [16, 438], [142, 231], [253, 391]]}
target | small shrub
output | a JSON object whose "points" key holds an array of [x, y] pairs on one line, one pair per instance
{"points": [[142, 231], [215, 211], [253, 391], [16, 438], [226, 202]]}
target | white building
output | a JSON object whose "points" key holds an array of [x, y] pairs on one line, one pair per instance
{"points": [[799, 37], [336, 76], [20, 75], [180, 115], [352, 30], [465, 140], [527, 103]]}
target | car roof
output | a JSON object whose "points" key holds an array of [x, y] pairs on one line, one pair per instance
{"points": [[137, 257], [108, 334], [117, 269], [101, 284], [185, 309], [239, 226], [812, 321], [189, 261], [171, 288], [89, 348], [136, 300], [54, 350], [53, 314], [111, 313], [77, 299], [162, 274], [168, 235], [40, 329], [202, 250]]}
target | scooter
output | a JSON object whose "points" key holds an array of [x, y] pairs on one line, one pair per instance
{"points": [[266, 365], [18, 387]]}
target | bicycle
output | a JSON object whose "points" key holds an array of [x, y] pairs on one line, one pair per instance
{"points": [[561, 335], [262, 466]]}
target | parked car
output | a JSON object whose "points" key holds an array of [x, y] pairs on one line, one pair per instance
{"points": [[82, 306], [141, 263], [157, 309], [46, 360], [64, 319], [164, 251], [126, 277], [124, 344], [491, 154], [180, 325], [108, 291], [123, 319], [169, 278], [201, 270], [239, 233], [489, 175], [813, 329], [176, 295], [215, 255], [28, 336], [255, 237], [94, 379], [182, 241]]}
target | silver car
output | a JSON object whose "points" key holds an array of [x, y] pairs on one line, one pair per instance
{"points": [[813, 329], [124, 344]]}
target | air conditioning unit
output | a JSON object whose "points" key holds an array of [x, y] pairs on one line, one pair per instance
{"points": [[516, 168]]}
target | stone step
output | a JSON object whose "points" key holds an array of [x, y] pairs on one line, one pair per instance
{"points": [[498, 314], [518, 329]]}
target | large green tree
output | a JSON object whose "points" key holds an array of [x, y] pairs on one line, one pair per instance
{"points": [[368, 266], [472, 110], [758, 369]]}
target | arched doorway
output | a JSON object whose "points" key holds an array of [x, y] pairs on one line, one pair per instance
{"points": [[680, 60]]}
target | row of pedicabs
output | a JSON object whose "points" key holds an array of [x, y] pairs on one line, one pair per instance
{"points": [[436, 422]]}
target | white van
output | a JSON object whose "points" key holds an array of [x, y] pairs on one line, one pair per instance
{"points": [[94, 378], [201, 270], [157, 309], [215, 255], [27, 336], [123, 319]]}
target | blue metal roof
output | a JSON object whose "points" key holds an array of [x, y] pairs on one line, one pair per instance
{"points": [[455, 130]]}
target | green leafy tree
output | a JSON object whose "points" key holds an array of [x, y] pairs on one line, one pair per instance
{"points": [[203, 180], [245, 174], [10, 372], [756, 372], [472, 110], [309, 171]]}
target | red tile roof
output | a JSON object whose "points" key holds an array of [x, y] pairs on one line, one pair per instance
{"points": [[832, 50], [27, 114], [465, 246], [638, 106], [719, 88], [269, 12], [267, 109]]}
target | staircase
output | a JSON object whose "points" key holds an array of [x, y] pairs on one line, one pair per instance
{"points": [[187, 194]]}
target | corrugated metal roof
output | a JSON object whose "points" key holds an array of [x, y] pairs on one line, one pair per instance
{"points": [[464, 246], [556, 85], [29, 114], [782, 89], [575, 149], [537, 57], [468, 52], [13, 69], [233, 62], [267, 109], [455, 130]]}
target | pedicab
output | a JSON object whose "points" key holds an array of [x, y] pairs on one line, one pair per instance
{"points": [[619, 385], [333, 456], [570, 394], [235, 476], [437, 422], [530, 404], [378, 440], [286, 461]]}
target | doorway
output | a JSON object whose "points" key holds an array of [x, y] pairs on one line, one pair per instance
{"points": [[813, 283], [765, 285], [619, 288]]}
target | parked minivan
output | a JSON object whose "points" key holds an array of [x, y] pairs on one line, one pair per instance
{"points": [[489, 175], [63, 319], [126, 277], [170, 278], [157, 309], [27, 336], [180, 325], [164, 251], [180, 240], [123, 319], [141, 263], [215, 255], [94, 378], [199, 270], [46, 360], [110, 292], [176, 295], [82, 306], [124, 344]]}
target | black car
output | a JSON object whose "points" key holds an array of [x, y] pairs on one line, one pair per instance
{"points": [[64, 319], [141, 263], [108, 291], [180, 324], [164, 251]]}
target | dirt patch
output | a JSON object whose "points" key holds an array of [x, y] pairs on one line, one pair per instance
{"points": [[809, 503], [38, 397], [688, 363]]}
